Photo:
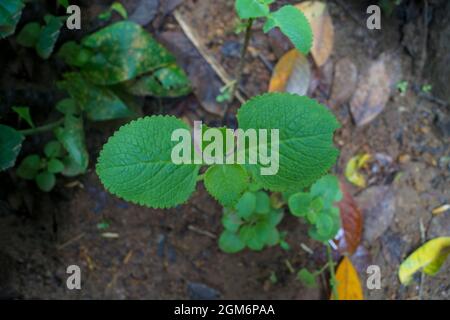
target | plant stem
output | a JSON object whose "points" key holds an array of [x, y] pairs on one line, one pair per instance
{"points": [[239, 70], [332, 274], [200, 177], [44, 128]]}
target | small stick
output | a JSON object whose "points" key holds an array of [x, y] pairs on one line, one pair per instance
{"points": [[70, 241], [192, 35], [202, 232]]}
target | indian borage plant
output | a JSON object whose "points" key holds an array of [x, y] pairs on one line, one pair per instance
{"points": [[136, 163], [108, 69]]}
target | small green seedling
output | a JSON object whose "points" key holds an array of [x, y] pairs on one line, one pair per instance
{"points": [[402, 87], [426, 88], [317, 208], [43, 169], [289, 19], [251, 223]]}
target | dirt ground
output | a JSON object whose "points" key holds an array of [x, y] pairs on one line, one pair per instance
{"points": [[169, 254]]}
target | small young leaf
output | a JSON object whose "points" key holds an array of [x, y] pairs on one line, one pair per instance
{"points": [[307, 278], [246, 205], [29, 35], [231, 221], [45, 181], [294, 25], [226, 183], [328, 189], [48, 36], [247, 9], [250, 236], [275, 217], [55, 166], [29, 167], [135, 164], [120, 9], [306, 150], [53, 149], [430, 256], [299, 203], [11, 143], [71, 167], [24, 113], [262, 202], [230, 242]]}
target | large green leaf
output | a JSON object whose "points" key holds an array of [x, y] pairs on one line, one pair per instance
{"points": [[306, 128], [10, 145], [98, 102], [71, 136], [48, 36], [293, 23], [135, 164], [123, 51], [226, 183], [10, 13]]}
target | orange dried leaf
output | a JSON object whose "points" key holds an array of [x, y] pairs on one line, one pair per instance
{"points": [[291, 74], [348, 283]]}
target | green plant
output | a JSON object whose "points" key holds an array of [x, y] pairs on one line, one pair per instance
{"points": [[317, 207], [109, 68], [289, 19]]}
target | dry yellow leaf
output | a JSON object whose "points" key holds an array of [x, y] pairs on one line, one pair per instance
{"points": [[351, 170], [322, 27], [430, 256], [291, 74], [348, 283], [441, 209]]}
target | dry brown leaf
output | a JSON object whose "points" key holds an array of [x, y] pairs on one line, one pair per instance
{"points": [[352, 222], [374, 89], [344, 82], [348, 283], [291, 74], [322, 27]]}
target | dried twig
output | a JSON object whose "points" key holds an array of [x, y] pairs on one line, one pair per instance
{"points": [[194, 38], [202, 232]]}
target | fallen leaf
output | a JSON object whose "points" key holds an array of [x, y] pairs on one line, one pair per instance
{"points": [[322, 27], [291, 74], [430, 256], [372, 93], [348, 283], [344, 82], [352, 222], [377, 205], [441, 209], [353, 165]]}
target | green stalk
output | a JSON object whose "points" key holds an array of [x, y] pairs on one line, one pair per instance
{"points": [[44, 128], [331, 266], [239, 70]]}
